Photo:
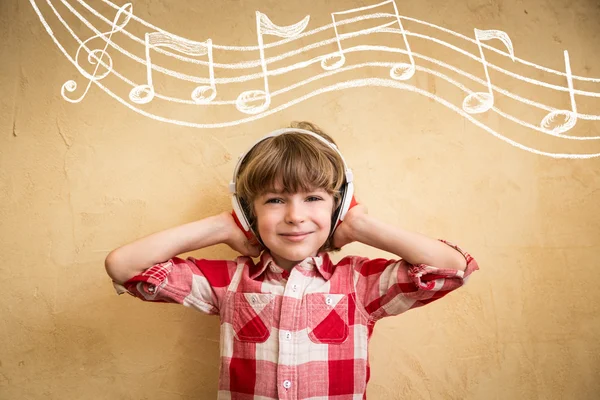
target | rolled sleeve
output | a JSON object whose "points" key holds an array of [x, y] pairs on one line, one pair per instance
{"points": [[200, 284], [391, 287]]}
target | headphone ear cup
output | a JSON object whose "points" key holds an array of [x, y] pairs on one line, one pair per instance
{"points": [[347, 202], [241, 214], [249, 235]]}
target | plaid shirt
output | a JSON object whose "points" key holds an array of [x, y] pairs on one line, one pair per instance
{"points": [[301, 334]]}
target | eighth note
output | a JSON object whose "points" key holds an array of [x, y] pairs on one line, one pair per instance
{"points": [[480, 102], [143, 94], [264, 26], [399, 71]]}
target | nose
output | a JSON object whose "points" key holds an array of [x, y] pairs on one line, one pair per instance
{"points": [[295, 212]]}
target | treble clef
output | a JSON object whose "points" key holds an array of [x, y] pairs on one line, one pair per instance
{"points": [[97, 56]]}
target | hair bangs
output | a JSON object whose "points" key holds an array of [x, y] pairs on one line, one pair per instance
{"points": [[291, 164]]}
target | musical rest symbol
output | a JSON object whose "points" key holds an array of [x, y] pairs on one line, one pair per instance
{"points": [[399, 71], [143, 94], [570, 117], [480, 102], [264, 26], [96, 56]]}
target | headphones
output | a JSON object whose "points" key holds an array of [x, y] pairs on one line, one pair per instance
{"points": [[347, 190]]}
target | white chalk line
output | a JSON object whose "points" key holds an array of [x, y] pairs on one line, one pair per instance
{"points": [[330, 26], [256, 63], [339, 86], [355, 84], [360, 48]]}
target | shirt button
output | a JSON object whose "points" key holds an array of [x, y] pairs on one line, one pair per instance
{"points": [[253, 298], [328, 300], [288, 335], [294, 288], [287, 384]]}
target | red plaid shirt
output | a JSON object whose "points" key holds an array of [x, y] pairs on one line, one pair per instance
{"points": [[301, 334]]}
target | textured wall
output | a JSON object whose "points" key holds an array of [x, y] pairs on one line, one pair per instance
{"points": [[77, 180]]}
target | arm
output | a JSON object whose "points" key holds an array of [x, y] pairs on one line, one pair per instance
{"points": [[132, 259], [427, 271], [413, 247]]}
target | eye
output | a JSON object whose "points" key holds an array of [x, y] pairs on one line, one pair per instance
{"points": [[314, 198], [273, 201]]}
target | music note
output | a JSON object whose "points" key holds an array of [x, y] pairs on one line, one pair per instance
{"points": [[399, 71], [480, 102], [264, 26], [96, 56], [570, 117], [143, 94]]}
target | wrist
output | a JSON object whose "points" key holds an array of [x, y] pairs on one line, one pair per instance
{"points": [[223, 226], [359, 231]]}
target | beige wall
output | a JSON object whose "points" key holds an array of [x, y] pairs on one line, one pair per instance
{"points": [[77, 180]]}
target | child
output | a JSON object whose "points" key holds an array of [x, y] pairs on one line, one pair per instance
{"points": [[294, 325]]}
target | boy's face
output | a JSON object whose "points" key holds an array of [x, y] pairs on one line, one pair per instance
{"points": [[293, 226]]}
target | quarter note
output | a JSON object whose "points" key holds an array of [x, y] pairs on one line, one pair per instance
{"points": [[258, 100], [480, 102], [570, 116], [143, 94]]}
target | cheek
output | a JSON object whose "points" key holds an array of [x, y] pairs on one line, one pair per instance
{"points": [[266, 223], [325, 214]]}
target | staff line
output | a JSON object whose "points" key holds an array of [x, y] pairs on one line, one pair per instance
{"points": [[339, 86], [243, 78], [467, 91], [329, 26], [252, 63], [354, 84], [325, 74]]}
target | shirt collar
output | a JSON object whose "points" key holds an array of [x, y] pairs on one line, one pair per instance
{"points": [[321, 262]]}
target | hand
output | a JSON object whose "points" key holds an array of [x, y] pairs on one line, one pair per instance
{"points": [[344, 233], [237, 240]]}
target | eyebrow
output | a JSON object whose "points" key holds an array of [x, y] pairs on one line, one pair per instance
{"points": [[271, 192], [280, 192]]}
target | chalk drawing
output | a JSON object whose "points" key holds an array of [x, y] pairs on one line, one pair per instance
{"points": [[143, 94], [570, 117], [95, 56], [400, 71], [485, 101], [264, 26], [258, 103]]}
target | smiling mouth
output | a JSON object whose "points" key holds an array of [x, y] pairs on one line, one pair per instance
{"points": [[295, 237]]}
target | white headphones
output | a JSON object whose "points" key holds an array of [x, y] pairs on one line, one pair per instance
{"points": [[347, 190]]}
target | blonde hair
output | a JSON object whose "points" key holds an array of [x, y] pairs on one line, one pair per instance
{"points": [[298, 161]]}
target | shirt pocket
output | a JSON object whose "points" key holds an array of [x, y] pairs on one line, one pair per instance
{"points": [[253, 316], [327, 317]]}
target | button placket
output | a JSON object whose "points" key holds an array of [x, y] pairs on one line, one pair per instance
{"points": [[292, 299]]}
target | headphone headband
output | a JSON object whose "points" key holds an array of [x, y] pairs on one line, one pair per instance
{"points": [[347, 171]]}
